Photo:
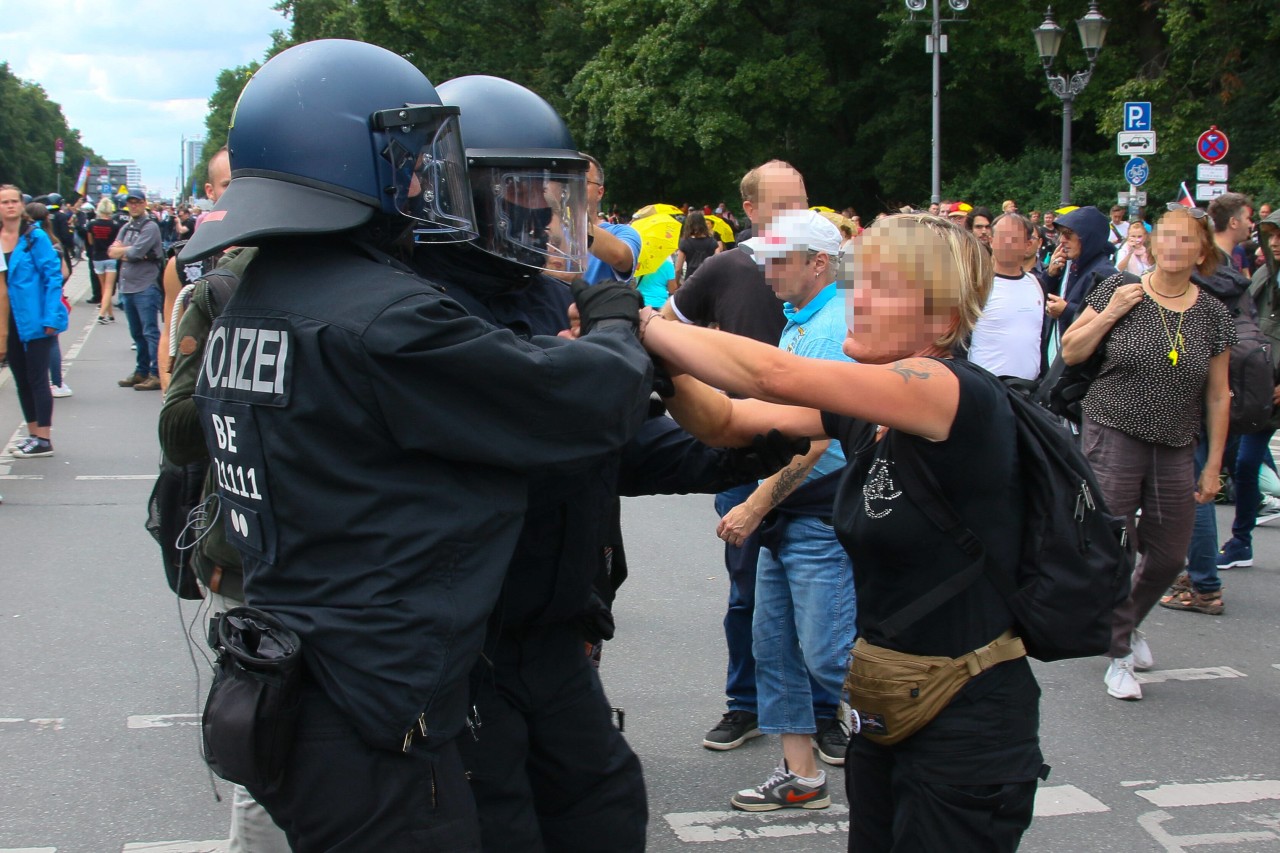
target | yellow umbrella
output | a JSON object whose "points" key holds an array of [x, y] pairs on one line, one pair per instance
{"points": [[822, 208], [659, 236], [723, 230], [650, 209]]}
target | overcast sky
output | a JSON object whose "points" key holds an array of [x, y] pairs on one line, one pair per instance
{"points": [[134, 77]]}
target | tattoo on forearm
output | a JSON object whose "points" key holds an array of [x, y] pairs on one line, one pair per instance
{"points": [[788, 479], [908, 373]]}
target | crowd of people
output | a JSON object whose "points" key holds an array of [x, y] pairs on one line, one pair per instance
{"points": [[485, 375]]}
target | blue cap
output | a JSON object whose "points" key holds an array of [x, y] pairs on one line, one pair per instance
{"points": [[140, 195]]}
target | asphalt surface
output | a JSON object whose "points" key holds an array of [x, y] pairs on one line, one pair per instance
{"points": [[98, 737]]}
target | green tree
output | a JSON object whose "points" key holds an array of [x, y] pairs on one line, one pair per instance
{"points": [[31, 124]]}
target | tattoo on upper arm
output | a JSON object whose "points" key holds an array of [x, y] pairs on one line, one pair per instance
{"points": [[908, 373]]}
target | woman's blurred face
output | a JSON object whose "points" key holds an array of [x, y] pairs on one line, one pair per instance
{"points": [[1178, 244], [884, 308], [10, 205]]}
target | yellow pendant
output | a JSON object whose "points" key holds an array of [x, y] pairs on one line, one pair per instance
{"points": [[1173, 357]]}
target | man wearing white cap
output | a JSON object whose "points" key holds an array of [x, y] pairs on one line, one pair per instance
{"points": [[803, 627]]}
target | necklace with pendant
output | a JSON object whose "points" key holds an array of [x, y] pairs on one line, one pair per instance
{"points": [[1176, 342]]}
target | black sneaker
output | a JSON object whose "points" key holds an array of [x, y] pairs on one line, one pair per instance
{"points": [[734, 729], [832, 741], [33, 448]]}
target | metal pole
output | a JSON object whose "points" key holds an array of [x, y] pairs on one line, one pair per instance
{"points": [[935, 184], [1067, 103], [182, 167]]}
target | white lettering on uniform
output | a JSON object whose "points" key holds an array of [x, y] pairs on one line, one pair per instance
{"points": [[241, 379], [262, 358], [224, 427], [215, 355]]}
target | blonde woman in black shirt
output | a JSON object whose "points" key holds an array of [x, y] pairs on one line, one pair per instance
{"points": [[916, 285], [1166, 345]]}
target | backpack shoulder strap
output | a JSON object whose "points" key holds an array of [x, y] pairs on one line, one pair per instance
{"points": [[924, 491]]}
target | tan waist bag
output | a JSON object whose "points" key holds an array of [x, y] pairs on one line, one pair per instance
{"points": [[895, 694]]}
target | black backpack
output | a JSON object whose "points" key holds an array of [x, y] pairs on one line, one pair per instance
{"points": [[1250, 374], [1075, 562], [174, 509]]}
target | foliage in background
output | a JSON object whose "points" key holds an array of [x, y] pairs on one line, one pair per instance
{"points": [[31, 122], [680, 97]]}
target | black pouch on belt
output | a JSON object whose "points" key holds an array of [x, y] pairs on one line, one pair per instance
{"points": [[253, 704]]}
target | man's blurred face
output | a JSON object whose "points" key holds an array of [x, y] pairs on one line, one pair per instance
{"points": [[136, 207], [1241, 225], [781, 188], [933, 208], [1050, 218], [1272, 236], [1008, 242]]}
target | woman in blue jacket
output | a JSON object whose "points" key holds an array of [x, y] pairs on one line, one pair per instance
{"points": [[36, 315]]}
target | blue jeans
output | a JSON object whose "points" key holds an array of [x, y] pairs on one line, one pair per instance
{"points": [[803, 626], [1202, 553], [143, 312], [740, 561], [1249, 459]]}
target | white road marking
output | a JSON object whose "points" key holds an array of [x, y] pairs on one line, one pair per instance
{"points": [[1066, 799], [1204, 673], [117, 477], [695, 827], [176, 847], [42, 723], [1151, 822], [161, 721], [1212, 793], [28, 850], [1139, 782], [21, 477]]}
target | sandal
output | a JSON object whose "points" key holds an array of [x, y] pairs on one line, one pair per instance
{"points": [[1180, 585], [1195, 602]]}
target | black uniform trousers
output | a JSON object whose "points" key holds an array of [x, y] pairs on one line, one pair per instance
{"points": [[339, 794], [966, 781], [549, 770]]}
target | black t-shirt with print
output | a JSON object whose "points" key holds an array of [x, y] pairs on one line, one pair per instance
{"points": [[899, 554], [1139, 390], [989, 733], [729, 292]]}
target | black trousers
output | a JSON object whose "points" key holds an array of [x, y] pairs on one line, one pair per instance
{"points": [[339, 794], [549, 770], [967, 781]]}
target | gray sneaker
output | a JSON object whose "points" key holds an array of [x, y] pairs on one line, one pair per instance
{"points": [[783, 790], [832, 741]]}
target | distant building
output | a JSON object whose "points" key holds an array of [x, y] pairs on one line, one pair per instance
{"points": [[125, 172]]}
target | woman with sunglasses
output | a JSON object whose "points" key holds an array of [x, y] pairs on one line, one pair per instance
{"points": [[1165, 347], [966, 780]]}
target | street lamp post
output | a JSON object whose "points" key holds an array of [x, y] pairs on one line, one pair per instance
{"points": [[1093, 31], [936, 45]]}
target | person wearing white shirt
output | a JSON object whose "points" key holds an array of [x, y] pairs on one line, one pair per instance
{"points": [[1006, 339]]}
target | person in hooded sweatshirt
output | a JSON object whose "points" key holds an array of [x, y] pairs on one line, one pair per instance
{"points": [[1084, 256]]}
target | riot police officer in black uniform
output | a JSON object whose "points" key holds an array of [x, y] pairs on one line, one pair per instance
{"points": [[549, 769], [372, 438]]}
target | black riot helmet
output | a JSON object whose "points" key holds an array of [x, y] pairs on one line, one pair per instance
{"points": [[329, 134], [528, 181]]}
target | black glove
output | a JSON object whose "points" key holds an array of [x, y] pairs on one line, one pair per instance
{"points": [[765, 457], [663, 385], [608, 301]]}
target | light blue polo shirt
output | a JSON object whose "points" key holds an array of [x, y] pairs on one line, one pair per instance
{"points": [[598, 270], [818, 331]]}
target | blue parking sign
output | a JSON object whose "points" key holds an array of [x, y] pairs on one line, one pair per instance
{"points": [[1137, 115]]}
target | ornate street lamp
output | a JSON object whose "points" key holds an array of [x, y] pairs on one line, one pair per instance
{"points": [[1048, 36]]}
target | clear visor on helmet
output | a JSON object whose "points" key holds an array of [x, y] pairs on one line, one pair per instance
{"points": [[427, 165], [535, 217]]}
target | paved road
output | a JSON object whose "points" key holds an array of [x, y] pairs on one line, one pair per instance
{"points": [[100, 752]]}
